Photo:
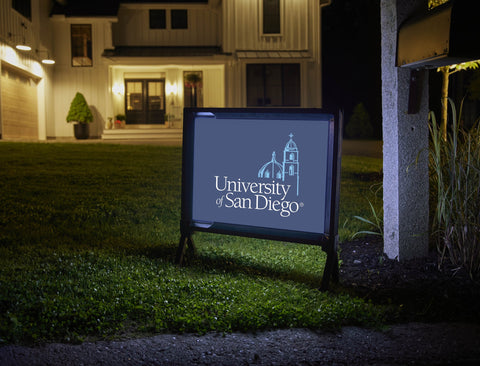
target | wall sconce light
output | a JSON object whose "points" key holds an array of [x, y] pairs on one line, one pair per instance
{"points": [[118, 89], [172, 89], [47, 60]]}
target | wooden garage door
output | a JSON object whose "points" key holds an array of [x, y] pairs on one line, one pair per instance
{"points": [[19, 105]]}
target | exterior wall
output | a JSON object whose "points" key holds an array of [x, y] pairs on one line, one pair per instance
{"points": [[91, 81], [133, 27], [301, 24], [37, 34], [242, 26]]}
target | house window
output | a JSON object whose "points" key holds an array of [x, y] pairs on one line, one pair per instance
{"points": [[158, 19], [24, 7], [271, 17], [273, 85], [81, 44], [179, 19]]}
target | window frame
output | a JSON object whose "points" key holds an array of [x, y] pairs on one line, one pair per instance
{"points": [[284, 95], [89, 46], [261, 18]]}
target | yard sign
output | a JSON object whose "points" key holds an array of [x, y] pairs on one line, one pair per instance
{"points": [[264, 173]]}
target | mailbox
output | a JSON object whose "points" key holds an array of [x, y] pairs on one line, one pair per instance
{"points": [[446, 35]]}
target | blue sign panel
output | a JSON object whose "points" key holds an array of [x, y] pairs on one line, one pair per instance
{"points": [[269, 173]]}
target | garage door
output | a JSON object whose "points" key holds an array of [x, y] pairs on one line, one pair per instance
{"points": [[19, 117]]}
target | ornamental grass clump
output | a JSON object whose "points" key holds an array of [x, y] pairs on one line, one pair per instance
{"points": [[455, 184]]}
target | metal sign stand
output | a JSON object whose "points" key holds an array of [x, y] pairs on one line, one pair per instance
{"points": [[330, 245]]}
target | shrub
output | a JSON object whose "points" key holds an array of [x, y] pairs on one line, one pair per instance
{"points": [[79, 110], [359, 125], [455, 180]]}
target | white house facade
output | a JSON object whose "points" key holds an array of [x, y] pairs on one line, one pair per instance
{"points": [[146, 61]]}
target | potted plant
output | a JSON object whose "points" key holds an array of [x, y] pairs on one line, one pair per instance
{"points": [[81, 115], [120, 121]]}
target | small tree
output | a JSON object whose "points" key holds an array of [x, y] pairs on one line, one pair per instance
{"points": [[359, 125], [79, 110]]}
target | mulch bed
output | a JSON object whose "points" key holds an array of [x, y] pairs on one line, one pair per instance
{"points": [[425, 292]]}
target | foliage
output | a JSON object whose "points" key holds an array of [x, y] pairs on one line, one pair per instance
{"points": [[455, 165], [375, 222], [79, 110], [446, 72], [120, 117], [192, 79], [434, 3], [79, 264], [359, 125]]}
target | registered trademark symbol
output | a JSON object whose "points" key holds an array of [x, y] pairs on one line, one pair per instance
{"points": [[301, 204]]}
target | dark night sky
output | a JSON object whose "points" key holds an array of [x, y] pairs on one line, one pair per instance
{"points": [[351, 57]]}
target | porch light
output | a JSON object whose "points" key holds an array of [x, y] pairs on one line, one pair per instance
{"points": [[118, 89], [46, 60], [172, 88], [23, 46]]}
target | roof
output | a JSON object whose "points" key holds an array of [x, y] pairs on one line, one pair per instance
{"points": [[85, 8], [95, 8], [160, 51]]}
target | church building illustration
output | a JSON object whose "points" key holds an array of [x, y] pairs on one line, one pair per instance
{"points": [[288, 171]]}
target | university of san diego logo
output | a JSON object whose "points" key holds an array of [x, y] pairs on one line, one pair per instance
{"points": [[270, 192], [288, 171]]}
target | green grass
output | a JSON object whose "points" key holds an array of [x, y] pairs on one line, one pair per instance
{"points": [[88, 234]]}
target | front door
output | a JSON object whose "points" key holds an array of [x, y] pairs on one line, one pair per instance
{"points": [[145, 101]]}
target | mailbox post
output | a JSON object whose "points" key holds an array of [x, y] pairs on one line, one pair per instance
{"points": [[423, 40]]}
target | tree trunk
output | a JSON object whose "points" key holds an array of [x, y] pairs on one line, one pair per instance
{"points": [[444, 98]]}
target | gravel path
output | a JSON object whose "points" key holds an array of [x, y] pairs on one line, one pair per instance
{"points": [[405, 344]]}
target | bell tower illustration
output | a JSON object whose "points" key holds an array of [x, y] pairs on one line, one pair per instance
{"points": [[291, 165], [288, 171]]}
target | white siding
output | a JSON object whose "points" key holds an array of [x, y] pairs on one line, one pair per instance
{"points": [[242, 26], [92, 81], [133, 29]]}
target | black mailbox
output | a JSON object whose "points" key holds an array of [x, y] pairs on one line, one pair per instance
{"points": [[446, 35]]}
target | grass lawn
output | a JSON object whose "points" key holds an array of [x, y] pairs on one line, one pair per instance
{"points": [[88, 234]]}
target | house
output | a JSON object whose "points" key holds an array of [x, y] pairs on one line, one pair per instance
{"points": [[147, 60]]}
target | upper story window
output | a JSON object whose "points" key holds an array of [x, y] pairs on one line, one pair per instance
{"points": [[179, 19], [24, 7], [158, 19], [81, 40], [271, 16]]}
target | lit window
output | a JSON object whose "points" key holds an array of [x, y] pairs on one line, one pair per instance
{"points": [[81, 44]]}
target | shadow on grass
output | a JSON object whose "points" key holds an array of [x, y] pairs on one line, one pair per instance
{"points": [[215, 263], [240, 265]]}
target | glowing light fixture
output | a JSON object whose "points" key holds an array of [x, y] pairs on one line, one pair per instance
{"points": [[23, 46], [46, 60], [172, 88], [118, 89]]}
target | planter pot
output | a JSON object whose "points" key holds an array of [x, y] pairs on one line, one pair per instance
{"points": [[81, 131]]}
